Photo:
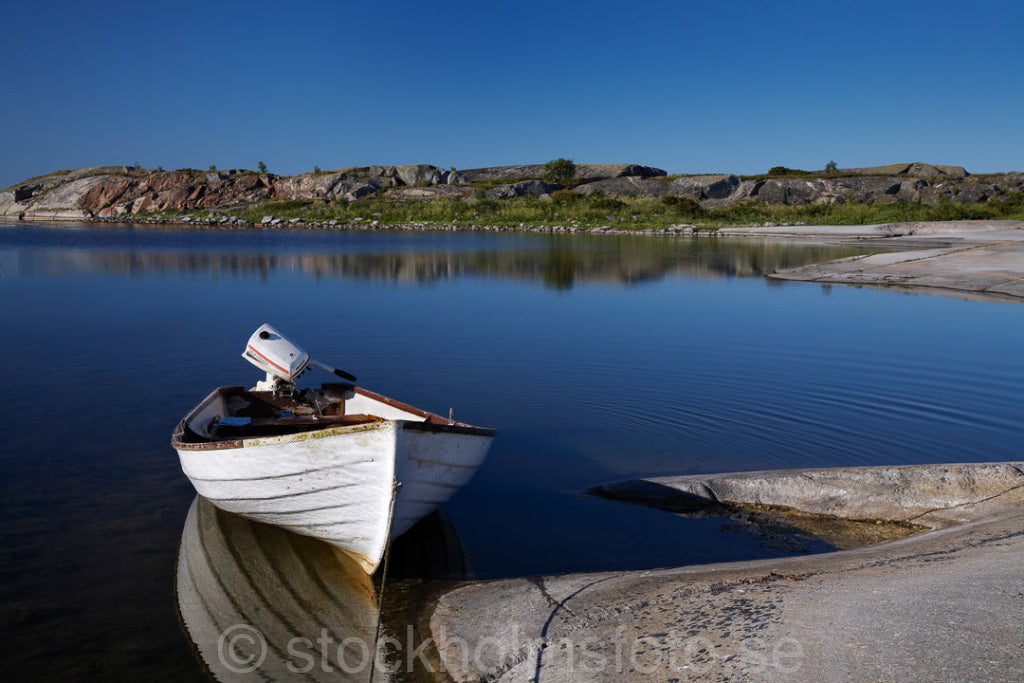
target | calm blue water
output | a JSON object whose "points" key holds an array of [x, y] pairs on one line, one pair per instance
{"points": [[597, 359]]}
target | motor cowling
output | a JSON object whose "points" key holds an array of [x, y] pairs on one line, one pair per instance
{"points": [[276, 355]]}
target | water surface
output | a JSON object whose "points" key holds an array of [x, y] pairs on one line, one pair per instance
{"points": [[596, 358]]}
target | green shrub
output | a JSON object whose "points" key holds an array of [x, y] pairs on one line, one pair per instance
{"points": [[487, 207], [561, 171], [603, 202], [776, 171], [684, 206], [566, 197]]}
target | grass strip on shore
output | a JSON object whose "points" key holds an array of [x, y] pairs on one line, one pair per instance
{"points": [[570, 209]]}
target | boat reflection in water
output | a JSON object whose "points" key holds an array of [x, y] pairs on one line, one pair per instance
{"points": [[256, 599]]}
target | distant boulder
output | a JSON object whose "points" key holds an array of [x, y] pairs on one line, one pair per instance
{"points": [[627, 186], [454, 177], [589, 172], [585, 173], [430, 192], [493, 174], [918, 170], [867, 190], [790, 191], [359, 190], [974, 193], [914, 170], [237, 189], [910, 190], [531, 187], [382, 176], [307, 186], [420, 174], [705, 186], [801, 191]]}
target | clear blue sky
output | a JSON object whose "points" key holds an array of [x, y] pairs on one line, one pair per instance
{"points": [[687, 87]]}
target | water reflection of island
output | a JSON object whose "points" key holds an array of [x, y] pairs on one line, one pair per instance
{"points": [[257, 600], [559, 262]]}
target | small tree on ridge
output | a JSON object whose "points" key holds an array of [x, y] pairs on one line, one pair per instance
{"points": [[561, 171]]}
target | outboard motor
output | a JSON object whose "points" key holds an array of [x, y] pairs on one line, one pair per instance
{"points": [[283, 360]]}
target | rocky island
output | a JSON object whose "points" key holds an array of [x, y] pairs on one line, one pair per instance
{"points": [[954, 233], [235, 196]]}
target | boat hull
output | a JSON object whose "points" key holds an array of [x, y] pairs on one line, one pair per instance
{"points": [[356, 487]]}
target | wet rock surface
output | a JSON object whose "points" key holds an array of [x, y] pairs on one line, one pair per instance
{"points": [[964, 259], [934, 496], [940, 605]]}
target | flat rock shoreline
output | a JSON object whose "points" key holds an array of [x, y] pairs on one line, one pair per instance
{"points": [[966, 259], [945, 604]]}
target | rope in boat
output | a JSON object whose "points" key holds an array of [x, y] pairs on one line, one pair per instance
{"points": [[383, 580]]}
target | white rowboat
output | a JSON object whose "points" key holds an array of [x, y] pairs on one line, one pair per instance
{"points": [[339, 463]]}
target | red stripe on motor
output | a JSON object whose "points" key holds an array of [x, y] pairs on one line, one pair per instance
{"points": [[269, 361]]}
